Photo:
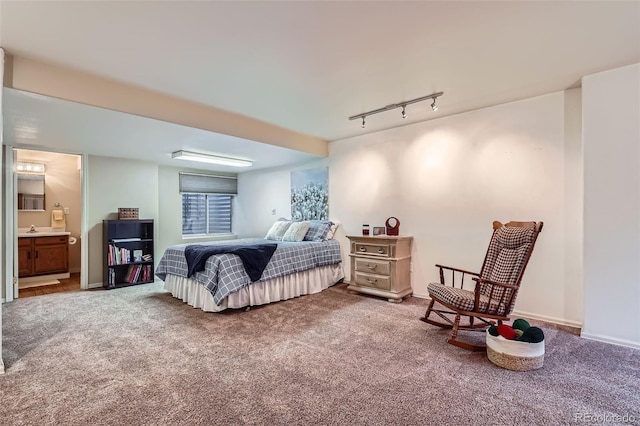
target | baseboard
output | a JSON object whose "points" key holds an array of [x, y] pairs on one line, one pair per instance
{"points": [[611, 340], [545, 318], [95, 285], [74, 270], [421, 295], [1, 366]]}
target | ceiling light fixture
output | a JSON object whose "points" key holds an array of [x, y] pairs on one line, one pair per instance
{"points": [[210, 158], [30, 167], [402, 105]]}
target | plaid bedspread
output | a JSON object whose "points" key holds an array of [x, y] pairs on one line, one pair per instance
{"points": [[224, 273]]}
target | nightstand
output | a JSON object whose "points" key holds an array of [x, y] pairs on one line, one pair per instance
{"points": [[381, 266]]}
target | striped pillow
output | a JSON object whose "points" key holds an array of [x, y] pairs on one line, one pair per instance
{"points": [[277, 230]]}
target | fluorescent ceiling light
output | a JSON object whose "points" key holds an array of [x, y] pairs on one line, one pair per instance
{"points": [[210, 158]]}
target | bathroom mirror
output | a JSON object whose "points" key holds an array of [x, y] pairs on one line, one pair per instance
{"points": [[31, 192]]}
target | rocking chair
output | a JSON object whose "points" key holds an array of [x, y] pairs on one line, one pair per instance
{"points": [[495, 288]]}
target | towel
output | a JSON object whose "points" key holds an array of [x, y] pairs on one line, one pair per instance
{"points": [[58, 221]]}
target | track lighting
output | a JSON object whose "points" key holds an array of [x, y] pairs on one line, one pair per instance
{"points": [[402, 105]]}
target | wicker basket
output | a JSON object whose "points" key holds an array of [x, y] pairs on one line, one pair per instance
{"points": [[515, 355], [128, 213]]}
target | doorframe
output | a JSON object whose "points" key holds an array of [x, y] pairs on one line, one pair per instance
{"points": [[11, 222], [10, 225]]}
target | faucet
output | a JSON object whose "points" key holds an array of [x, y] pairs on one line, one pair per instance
{"points": [[33, 228]]}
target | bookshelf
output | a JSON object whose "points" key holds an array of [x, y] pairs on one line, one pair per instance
{"points": [[128, 252]]}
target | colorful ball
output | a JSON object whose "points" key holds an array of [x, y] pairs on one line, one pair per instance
{"points": [[493, 330], [521, 324], [507, 331], [519, 333]]}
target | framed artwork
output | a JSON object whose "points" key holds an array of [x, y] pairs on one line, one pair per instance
{"points": [[310, 194], [379, 230]]}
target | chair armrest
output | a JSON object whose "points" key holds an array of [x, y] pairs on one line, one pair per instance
{"points": [[484, 280], [450, 268], [453, 270], [502, 290]]}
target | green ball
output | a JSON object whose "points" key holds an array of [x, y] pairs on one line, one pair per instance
{"points": [[493, 330], [521, 324]]}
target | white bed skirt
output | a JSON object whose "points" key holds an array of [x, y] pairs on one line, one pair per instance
{"points": [[260, 293]]}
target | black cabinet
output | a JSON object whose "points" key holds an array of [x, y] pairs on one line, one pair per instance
{"points": [[128, 252]]}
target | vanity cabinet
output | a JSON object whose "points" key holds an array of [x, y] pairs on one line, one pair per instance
{"points": [[43, 255], [381, 266]]}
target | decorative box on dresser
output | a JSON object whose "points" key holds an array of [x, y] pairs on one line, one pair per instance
{"points": [[381, 266]]}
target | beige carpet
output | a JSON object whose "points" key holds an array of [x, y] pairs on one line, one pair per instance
{"points": [[137, 356]]}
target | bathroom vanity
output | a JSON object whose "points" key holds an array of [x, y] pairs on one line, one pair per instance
{"points": [[42, 253]]}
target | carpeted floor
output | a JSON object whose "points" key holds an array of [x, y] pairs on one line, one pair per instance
{"points": [[137, 356]]}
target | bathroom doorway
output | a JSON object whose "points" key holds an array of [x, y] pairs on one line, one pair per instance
{"points": [[48, 218]]}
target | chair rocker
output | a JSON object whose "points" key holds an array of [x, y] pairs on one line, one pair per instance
{"points": [[496, 286]]}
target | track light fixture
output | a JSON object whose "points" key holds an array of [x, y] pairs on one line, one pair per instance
{"points": [[402, 105]]}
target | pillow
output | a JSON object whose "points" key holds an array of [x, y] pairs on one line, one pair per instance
{"points": [[332, 231], [296, 231], [277, 230], [318, 230]]}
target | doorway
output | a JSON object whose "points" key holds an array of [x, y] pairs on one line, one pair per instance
{"points": [[48, 222]]}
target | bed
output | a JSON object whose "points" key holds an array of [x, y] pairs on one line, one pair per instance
{"points": [[296, 268]]}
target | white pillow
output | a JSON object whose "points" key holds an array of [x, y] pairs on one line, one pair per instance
{"points": [[332, 230], [296, 231], [277, 230]]}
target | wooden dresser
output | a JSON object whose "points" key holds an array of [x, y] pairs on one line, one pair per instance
{"points": [[381, 266]]}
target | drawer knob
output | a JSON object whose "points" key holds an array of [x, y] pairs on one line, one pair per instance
{"points": [[363, 249], [371, 280], [372, 267], [380, 250]]}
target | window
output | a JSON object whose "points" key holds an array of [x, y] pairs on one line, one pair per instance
{"points": [[206, 214], [206, 203]]}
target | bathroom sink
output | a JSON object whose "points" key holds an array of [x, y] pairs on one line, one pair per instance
{"points": [[40, 232]]}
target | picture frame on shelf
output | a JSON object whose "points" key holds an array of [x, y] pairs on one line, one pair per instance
{"points": [[379, 230]]}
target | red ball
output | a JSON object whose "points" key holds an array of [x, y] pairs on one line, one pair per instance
{"points": [[507, 332]]}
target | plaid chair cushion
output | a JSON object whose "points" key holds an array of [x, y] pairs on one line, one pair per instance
{"points": [[463, 299], [505, 258]]}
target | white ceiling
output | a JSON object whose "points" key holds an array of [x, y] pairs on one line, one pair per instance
{"points": [[308, 66]]}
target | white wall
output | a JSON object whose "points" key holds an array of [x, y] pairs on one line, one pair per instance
{"points": [[447, 179], [611, 133], [115, 183], [263, 191]]}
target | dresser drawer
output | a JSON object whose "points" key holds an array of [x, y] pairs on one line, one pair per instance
{"points": [[375, 281], [372, 249], [382, 267]]}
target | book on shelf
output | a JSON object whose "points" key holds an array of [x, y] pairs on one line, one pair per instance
{"points": [[125, 240]]}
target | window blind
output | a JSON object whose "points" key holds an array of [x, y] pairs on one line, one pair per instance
{"points": [[208, 184]]}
